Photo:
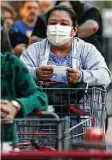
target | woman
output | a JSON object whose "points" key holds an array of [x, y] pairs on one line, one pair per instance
{"points": [[62, 48]]}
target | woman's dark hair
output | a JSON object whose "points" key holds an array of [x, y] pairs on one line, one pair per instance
{"points": [[70, 11], [76, 6]]}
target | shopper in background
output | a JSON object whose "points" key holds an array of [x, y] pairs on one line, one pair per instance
{"points": [[22, 29], [39, 30], [45, 6], [9, 14], [5, 40], [29, 11], [16, 41]]}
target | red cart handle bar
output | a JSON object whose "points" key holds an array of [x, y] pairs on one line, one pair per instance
{"points": [[56, 154]]}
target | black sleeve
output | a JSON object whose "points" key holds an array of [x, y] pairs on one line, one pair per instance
{"points": [[5, 42], [17, 38], [40, 27], [94, 14]]}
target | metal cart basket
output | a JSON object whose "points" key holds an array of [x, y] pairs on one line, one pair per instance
{"points": [[76, 110]]}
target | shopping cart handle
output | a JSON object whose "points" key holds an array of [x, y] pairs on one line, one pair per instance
{"points": [[77, 110], [45, 113], [100, 87], [84, 144]]}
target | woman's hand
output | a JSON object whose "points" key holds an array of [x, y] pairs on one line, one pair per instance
{"points": [[19, 48], [44, 73], [74, 75], [7, 110], [34, 39]]}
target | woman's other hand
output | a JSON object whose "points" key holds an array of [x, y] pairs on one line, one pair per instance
{"points": [[19, 49], [74, 75], [34, 39], [44, 73], [7, 111]]}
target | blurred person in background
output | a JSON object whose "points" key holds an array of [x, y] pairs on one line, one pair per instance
{"points": [[45, 6], [5, 42], [89, 21], [20, 32], [9, 34], [9, 14], [29, 11], [39, 30]]}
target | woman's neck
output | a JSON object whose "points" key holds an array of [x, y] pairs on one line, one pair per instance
{"points": [[61, 51]]}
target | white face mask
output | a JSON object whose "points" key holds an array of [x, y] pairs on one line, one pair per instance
{"points": [[58, 35]]}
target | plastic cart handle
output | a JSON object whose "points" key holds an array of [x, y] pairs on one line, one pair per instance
{"points": [[45, 113]]}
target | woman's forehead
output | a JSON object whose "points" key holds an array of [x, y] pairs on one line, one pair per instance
{"points": [[59, 15]]}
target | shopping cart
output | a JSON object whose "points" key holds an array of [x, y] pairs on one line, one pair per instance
{"points": [[85, 106], [41, 131], [80, 104], [76, 111]]}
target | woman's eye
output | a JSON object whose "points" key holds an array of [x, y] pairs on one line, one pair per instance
{"points": [[52, 23], [63, 24]]}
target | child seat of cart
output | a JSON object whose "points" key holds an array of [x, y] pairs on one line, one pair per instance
{"points": [[61, 96]]}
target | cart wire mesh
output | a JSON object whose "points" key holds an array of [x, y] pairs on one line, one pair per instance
{"points": [[78, 109], [79, 104]]}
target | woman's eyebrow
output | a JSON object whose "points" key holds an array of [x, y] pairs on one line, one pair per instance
{"points": [[61, 20], [64, 20]]}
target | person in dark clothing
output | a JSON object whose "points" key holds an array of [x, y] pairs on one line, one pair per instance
{"points": [[12, 40], [5, 42], [89, 21], [29, 10]]}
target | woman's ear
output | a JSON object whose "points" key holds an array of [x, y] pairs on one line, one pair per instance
{"points": [[75, 29]]}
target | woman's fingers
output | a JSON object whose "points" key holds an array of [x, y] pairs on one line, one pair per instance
{"points": [[47, 77], [47, 72], [5, 108], [73, 75], [4, 101], [3, 114], [44, 72], [69, 70], [46, 68]]}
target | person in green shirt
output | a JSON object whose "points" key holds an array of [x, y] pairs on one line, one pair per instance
{"points": [[19, 94]]}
